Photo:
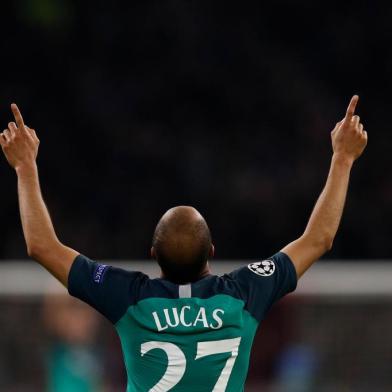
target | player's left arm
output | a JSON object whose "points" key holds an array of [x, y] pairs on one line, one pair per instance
{"points": [[20, 146], [348, 141]]}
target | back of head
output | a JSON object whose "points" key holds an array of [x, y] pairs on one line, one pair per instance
{"points": [[182, 244]]}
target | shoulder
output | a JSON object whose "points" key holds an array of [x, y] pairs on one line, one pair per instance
{"points": [[271, 269], [110, 290], [261, 283], [94, 272]]}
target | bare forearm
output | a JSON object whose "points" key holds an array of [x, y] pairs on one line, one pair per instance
{"points": [[37, 226], [20, 146], [349, 140], [324, 221], [325, 218], [41, 240]]}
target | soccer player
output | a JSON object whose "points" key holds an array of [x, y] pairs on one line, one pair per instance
{"points": [[189, 330]]}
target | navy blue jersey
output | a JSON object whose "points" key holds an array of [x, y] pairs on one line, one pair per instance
{"points": [[196, 336]]}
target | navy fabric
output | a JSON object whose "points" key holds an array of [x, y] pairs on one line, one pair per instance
{"points": [[107, 289], [260, 292], [112, 290]]}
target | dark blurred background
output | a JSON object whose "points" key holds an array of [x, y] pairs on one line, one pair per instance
{"points": [[226, 106]]}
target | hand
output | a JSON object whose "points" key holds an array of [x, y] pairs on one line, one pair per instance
{"points": [[349, 139], [19, 142]]}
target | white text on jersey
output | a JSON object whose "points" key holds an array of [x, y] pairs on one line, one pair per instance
{"points": [[173, 318]]}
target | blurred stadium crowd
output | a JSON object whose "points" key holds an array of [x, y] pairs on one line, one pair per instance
{"points": [[142, 106]]}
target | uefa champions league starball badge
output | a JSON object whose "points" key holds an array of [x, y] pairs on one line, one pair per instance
{"points": [[263, 268]]}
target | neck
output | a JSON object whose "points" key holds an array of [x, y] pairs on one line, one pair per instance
{"points": [[205, 272]]}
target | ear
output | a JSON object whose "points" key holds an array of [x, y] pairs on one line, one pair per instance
{"points": [[212, 251], [152, 252]]}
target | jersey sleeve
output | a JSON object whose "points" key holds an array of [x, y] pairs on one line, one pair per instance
{"points": [[263, 283], [107, 289]]}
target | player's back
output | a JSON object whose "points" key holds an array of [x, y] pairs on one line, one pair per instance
{"points": [[194, 337]]}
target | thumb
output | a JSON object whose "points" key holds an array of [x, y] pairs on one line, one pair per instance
{"points": [[337, 126]]}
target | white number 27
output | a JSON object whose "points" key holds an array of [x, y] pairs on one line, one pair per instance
{"points": [[177, 363]]}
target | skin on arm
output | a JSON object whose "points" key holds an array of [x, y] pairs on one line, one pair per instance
{"points": [[348, 141], [20, 146]]}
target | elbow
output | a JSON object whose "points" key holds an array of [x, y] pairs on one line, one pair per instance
{"points": [[327, 243], [38, 250], [35, 251], [322, 243]]}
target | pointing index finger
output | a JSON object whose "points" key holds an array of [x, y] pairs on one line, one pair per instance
{"points": [[351, 107], [17, 115]]}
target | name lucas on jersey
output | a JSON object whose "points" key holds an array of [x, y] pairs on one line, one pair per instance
{"points": [[172, 318]]}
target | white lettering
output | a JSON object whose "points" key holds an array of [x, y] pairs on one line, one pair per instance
{"points": [[201, 317], [217, 318], [174, 317], [182, 316], [158, 323], [167, 317]]}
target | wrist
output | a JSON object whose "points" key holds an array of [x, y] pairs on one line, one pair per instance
{"points": [[343, 159], [26, 168]]}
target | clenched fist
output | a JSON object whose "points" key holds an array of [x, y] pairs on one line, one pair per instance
{"points": [[19, 142], [349, 139]]}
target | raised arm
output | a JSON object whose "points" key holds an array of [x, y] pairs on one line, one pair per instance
{"points": [[20, 146], [348, 141]]}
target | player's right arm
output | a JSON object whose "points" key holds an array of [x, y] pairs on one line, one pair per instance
{"points": [[349, 141], [20, 146]]}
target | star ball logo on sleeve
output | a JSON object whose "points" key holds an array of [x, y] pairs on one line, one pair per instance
{"points": [[263, 268]]}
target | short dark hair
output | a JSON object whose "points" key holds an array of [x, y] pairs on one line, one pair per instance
{"points": [[182, 244]]}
